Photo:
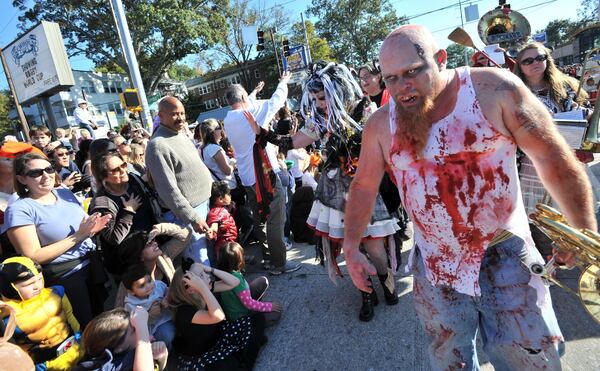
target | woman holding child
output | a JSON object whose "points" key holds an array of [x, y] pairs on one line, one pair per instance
{"points": [[204, 340]]}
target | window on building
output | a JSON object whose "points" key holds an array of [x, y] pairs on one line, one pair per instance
{"points": [[115, 107], [112, 87], [88, 87], [257, 73], [222, 84]]}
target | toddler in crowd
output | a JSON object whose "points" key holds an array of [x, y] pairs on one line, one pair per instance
{"points": [[46, 328], [147, 293], [221, 223], [244, 299], [309, 177]]}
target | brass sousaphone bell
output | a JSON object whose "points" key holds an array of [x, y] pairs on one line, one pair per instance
{"points": [[583, 244], [504, 26]]}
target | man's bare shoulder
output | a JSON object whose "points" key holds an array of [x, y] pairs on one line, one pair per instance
{"points": [[379, 120], [494, 80]]}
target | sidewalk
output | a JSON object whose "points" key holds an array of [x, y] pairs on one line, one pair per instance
{"points": [[320, 329]]}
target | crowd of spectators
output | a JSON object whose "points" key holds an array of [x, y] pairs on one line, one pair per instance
{"points": [[163, 219]]}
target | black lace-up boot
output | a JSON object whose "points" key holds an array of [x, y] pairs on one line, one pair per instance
{"points": [[369, 300], [389, 288]]}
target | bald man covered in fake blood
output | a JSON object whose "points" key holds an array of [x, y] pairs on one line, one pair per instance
{"points": [[450, 137]]}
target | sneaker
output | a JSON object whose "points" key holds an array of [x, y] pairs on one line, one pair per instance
{"points": [[289, 267], [267, 265], [288, 246]]}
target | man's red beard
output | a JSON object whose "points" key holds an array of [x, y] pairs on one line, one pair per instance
{"points": [[412, 126]]}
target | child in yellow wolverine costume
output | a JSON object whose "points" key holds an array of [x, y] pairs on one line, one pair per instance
{"points": [[46, 328]]}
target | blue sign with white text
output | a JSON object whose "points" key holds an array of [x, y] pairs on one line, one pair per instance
{"points": [[296, 61]]}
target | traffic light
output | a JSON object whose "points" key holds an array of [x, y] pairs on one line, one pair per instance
{"points": [[286, 48], [130, 100], [261, 40]]}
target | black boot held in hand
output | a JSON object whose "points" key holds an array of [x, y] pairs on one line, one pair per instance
{"points": [[389, 288], [369, 300]]}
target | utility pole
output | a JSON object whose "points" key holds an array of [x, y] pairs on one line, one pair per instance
{"points": [[308, 58], [273, 32], [132, 64], [14, 94], [462, 25]]}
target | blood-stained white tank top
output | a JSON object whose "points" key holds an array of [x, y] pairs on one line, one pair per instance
{"points": [[460, 192]]}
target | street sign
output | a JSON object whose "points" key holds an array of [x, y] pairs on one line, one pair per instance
{"points": [[249, 36], [539, 37], [471, 13], [296, 60], [38, 63]]}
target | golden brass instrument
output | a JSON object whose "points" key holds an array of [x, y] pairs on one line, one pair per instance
{"points": [[504, 26], [584, 244], [591, 142]]}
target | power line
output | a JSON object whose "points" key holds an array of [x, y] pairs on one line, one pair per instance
{"points": [[10, 20], [439, 9], [518, 10]]}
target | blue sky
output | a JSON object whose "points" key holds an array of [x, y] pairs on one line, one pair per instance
{"points": [[441, 23]]}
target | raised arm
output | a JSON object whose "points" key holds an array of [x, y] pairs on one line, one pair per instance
{"points": [[361, 198], [535, 133], [213, 313], [285, 142]]}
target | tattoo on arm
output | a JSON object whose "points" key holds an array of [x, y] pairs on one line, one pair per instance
{"points": [[529, 119], [507, 86], [420, 51]]}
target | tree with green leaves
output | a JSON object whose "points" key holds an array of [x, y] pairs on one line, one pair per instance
{"points": [[456, 55], [162, 32], [558, 31], [182, 72], [232, 50], [6, 104], [587, 13], [355, 28], [319, 48]]}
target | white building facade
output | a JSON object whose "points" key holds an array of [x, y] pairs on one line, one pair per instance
{"points": [[101, 90]]}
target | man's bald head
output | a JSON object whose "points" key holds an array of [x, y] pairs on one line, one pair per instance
{"points": [[419, 36], [171, 113], [168, 104]]}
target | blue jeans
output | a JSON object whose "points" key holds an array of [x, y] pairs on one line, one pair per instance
{"points": [[516, 333], [89, 128], [165, 332], [197, 247]]}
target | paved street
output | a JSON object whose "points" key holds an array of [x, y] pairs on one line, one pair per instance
{"points": [[320, 329]]}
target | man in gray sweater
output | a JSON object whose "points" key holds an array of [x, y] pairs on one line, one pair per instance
{"points": [[181, 179]]}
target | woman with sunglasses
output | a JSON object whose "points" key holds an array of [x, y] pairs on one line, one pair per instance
{"points": [[535, 66], [130, 202], [203, 339], [49, 226], [556, 90], [69, 172]]}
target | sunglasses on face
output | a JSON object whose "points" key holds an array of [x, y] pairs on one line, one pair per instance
{"points": [[63, 154], [36, 173], [115, 170], [530, 60]]}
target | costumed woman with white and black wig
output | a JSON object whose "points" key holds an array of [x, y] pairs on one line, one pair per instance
{"points": [[335, 109]]}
